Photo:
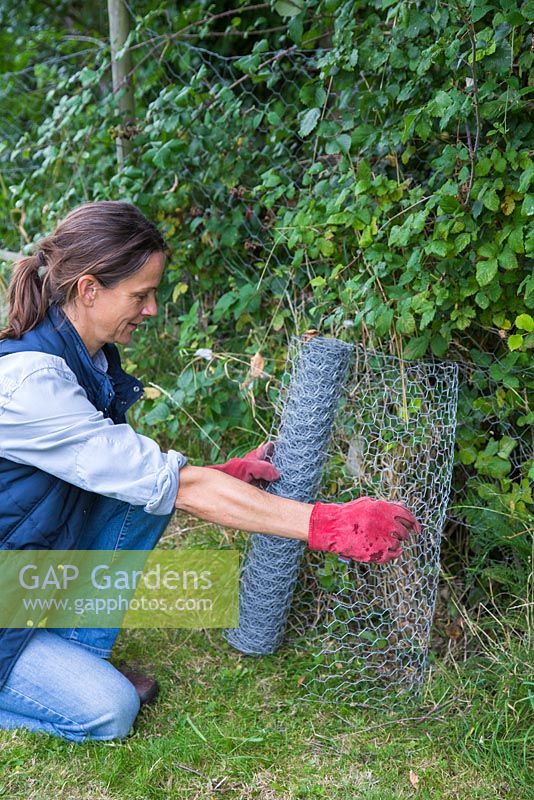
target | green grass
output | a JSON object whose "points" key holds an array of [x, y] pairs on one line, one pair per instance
{"points": [[230, 726], [235, 727]]}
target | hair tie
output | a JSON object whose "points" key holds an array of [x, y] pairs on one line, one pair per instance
{"points": [[42, 268]]}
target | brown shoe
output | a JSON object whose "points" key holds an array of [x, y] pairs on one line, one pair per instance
{"points": [[146, 687]]}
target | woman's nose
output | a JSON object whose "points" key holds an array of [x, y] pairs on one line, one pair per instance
{"points": [[150, 308]]}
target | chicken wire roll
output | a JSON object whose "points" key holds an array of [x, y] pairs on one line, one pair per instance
{"points": [[317, 369]]}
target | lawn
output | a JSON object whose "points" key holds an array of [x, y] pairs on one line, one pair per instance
{"points": [[232, 726]]}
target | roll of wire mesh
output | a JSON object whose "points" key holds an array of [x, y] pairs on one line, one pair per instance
{"points": [[272, 563]]}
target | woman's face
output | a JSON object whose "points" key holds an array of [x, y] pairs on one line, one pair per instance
{"points": [[116, 313]]}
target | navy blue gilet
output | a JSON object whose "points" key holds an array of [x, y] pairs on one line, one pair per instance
{"points": [[37, 510]]}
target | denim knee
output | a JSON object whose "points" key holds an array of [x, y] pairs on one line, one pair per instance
{"points": [[112, 713]]}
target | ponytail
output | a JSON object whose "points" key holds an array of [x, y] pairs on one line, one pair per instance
{"points": [[28, 297], [108, 239]]}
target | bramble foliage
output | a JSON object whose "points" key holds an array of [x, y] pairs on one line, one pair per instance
{"points": [[374, 180]]}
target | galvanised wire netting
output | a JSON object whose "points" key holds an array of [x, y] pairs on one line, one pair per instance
{"points": [[272, 567], [391, 436], [233, 116], [216, 124], [25, 103]]}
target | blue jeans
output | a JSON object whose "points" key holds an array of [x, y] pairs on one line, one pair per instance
{"points": [[62, 683]]}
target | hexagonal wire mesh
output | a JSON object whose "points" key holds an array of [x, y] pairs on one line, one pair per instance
{"points": [[233, 114], [391, 425], [318, 372]]}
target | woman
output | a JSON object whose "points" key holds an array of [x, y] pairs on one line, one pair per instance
{"points": [[74, 474]]}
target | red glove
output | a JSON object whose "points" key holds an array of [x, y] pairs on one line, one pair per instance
{"points": [[252, 467], [365, 529]]}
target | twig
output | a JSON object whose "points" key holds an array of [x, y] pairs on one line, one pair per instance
{"points": [[393, 721], [211, 18], [276, 57], [190, 769], [322, 117], [79, 38], [211, 34], [404, 210], [473, 90]]}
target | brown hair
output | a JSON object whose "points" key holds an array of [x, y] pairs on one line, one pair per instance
{"points": [[108, 239]]}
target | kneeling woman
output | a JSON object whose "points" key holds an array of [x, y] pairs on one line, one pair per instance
{"points": [[75, 475]]}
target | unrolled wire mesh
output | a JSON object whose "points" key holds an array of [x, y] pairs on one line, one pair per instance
{"points": [[367, 625], [394, 439]]}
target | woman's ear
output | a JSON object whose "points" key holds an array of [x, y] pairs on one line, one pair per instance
{"points": [[87, 288]]}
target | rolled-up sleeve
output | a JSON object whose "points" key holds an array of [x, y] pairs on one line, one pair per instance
{"points": [[47, 421]]}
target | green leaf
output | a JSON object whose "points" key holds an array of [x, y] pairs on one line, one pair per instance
{"points": [[526, 178], [437, 247], [406, 323], [296, 28], [525, 322], [249, 299], [501, 321], [383, 321], [326, 246], [179, 289], [515, 240], [515, 341], [159, 413], [408, 122], [482, 300], [461, 242], [288, 8], [309, 121], [317, 282], [506, 445], [439, 345], [528, 205], [491, 200], [279, 319], [298, 258], [462, 316], [448, 203], [416, 348], [528, 286], [223, 304], [486, 271], [427, 317], [480, 10], [271, 179], [467, 455], [507, 258], [483, 167], [340, 218], [344, 141], [487, 250], [492, 465]]}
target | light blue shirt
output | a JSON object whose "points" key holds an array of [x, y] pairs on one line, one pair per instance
{"points": [[47, 421]]}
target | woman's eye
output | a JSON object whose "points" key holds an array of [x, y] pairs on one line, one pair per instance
{"points": [[142, 296]]}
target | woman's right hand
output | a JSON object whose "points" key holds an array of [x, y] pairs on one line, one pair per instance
{"points": [[365, 529]]}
